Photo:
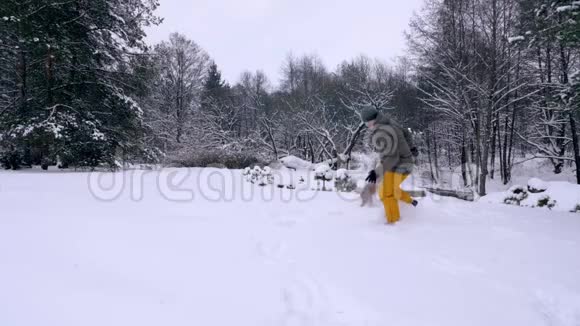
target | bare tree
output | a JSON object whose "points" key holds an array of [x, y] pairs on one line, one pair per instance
{"points": [[183, 69]]}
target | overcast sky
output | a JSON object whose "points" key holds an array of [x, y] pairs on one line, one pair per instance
{"points": [[258, 34]]}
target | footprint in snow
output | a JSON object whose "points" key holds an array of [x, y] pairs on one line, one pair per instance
{"points": [[304, 299], [272, 253], [561, 310], [286, 223], [506, 232], [283, 220], [453, 267], [305, 303]]}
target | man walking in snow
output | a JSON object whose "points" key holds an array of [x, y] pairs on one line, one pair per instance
{"points": [[395, 147]]}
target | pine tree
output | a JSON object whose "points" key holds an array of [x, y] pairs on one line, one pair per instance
{"points": [[568, 16], [214, 87], [65, 70]]}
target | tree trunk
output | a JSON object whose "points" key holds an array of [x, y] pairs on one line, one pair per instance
{"points": [[503, 154], [353, 140], [464, 161], [23, 79], [449, 157], [490, 107], [575, 144], [49, 64], [494, 140], [436, 156], [311, 147], [429, 157], [510, 154]]}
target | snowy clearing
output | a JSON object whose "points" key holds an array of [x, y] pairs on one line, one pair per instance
{"points": [[158, 257]]}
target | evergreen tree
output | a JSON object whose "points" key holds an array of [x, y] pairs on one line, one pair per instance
{"points": [[214, 87], [64, 78], [568, 17]]}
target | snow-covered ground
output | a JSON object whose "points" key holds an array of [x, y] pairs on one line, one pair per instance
{"points": [[170, 248], [556, 195]]}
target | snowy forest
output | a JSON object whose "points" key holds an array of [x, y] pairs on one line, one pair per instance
{"points": [[485, 84]]}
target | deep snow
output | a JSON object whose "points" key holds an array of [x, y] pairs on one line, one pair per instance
{"points": [[158, 257], [564, 195]]}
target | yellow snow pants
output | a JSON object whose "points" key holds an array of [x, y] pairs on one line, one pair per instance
{"points": [[390, 192]]}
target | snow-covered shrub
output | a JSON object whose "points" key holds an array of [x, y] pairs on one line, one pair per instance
{"points": [[536, 185], [517, 189], [559, 195], [342, 174], [295, 163], [11, 159], [546, 201], [256, 174], [205, 158], [239, 160], [266, 174], [45, 163], [275, 165], [324, 173], [515, 195], [217, 166], [344, 182], [247, 173]]}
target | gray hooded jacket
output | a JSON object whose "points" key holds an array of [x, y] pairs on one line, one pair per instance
{"points": [[393, 143]]}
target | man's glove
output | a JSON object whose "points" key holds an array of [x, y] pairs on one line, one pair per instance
{"points": [[415, 151], [372, 178]]}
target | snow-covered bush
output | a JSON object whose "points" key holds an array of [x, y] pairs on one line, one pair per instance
{"points": [[295, 163], [559, 196], [247, 173], [60, 163], [204, 158], [515, 195], [324, 173], [536, 185], [342, 174], [546, 201], [217, 166], [256, 174], [267, 177], [344, 182], [11, 159], [45, 163]]}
